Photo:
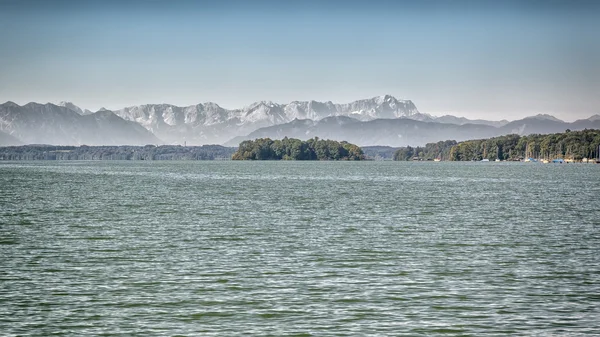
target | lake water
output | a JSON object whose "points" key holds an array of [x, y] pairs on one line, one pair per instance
{"points": [[299, 248]]}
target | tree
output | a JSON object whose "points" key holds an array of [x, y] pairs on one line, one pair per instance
{"points": [[295, 149]]}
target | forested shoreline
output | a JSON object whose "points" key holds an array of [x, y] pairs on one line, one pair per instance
{"points": [[260, 149], [148, 152], [572, 145], [569, 145]]}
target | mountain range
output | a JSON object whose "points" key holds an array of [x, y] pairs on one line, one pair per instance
{"points": [[210, 123], [36, 123], [381, 120], [405, 131]]}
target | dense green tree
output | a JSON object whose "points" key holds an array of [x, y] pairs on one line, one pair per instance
{"points": [[295, 149], [148, 152], [431, 151], [569, 145], [404, 153], [574, 145]]}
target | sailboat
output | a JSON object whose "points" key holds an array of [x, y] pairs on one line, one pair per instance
{"points": [[528, 159]]}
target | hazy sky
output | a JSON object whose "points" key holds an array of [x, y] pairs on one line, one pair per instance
{"points": [[486, 59]]}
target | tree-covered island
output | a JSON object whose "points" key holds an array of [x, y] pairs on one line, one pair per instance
{"points": [[296, 149]]}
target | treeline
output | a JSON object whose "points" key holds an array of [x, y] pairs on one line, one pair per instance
{"points": [[296, 149], [379, 152], [574, 145], [148, 152], [431, 151]]}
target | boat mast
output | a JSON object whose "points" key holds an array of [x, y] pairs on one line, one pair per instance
{"points": [[484, 151]]}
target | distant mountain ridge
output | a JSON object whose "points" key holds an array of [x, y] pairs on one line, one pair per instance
{"points": [[71, 106], [8, 140], [35, 123], [209, 122], [449, 119], [381, 120], [406, 131]]}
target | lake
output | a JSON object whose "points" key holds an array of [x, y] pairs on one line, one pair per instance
{"points": [[299, 248]]}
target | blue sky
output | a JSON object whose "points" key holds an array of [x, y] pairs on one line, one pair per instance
{"points": [[484, 59]]}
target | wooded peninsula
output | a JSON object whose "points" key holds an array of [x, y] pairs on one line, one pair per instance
{"points": [[569, 145]]}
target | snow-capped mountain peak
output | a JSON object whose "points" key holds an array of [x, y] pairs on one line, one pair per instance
{"points": [[71, 106], [386, 99], [169, 121]]}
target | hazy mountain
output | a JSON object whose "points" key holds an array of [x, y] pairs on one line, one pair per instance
{"points": [[35, 123], [544, 124], [461, 120], [194, 125], [405, 131], [8, 140], [382, 120], [379, 152], [390, 132], [71, 106], [535, 124], [593, 118], [210, 123]]}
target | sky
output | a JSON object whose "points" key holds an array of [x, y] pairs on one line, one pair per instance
{"points": [[478, 59]]}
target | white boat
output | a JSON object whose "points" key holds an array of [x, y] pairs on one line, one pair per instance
{"points": [[485, 160]]}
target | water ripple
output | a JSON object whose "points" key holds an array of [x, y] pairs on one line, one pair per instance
{"points": [[299, 249]]}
